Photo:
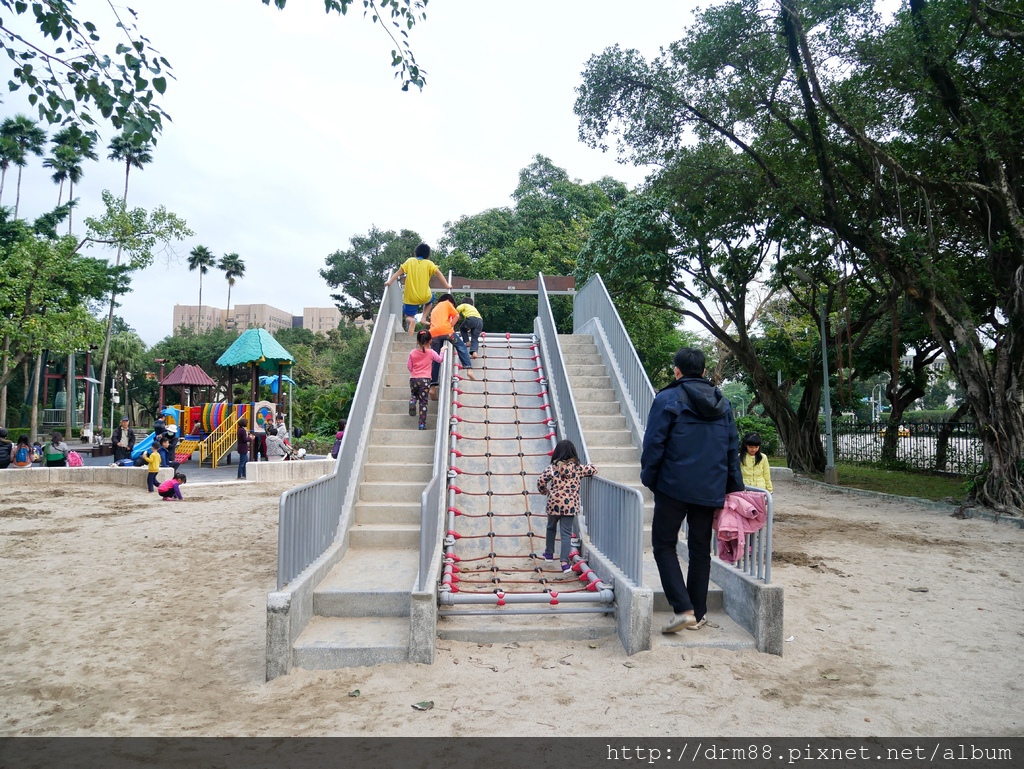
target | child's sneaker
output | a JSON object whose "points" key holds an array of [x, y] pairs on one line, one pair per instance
{"points": [[547, 556], [566, 568], [412, 408]]}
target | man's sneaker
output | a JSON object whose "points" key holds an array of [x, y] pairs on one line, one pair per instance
{"points": [[700, 623], [412, 408], [547, 556], [679, 621], [566, 568]]}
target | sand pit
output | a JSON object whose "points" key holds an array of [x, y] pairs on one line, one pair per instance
{"points": [[127, 616]]}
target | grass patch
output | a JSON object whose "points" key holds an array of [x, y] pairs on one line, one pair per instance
{"points": [[905, 484]]}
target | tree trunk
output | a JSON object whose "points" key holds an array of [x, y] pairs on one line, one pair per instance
{"points": [[991, 379], [113, 299], [900, 402], [34, 413], [4, 368], [942, 442], [17, 197], [71, 209], [71, 404]]}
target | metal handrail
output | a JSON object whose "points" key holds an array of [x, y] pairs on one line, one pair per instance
{"points": [[594, 303], [756, 560], [224, 437], [433, 501], [309, 515], [612, 514]]}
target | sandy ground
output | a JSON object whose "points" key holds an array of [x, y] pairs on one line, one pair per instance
{"points": [[126, 616]]}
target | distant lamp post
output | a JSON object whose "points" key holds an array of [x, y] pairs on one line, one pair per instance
{"points": [[114, 400], [161, 361], [743, 405], [876, 403], [830, 460]]}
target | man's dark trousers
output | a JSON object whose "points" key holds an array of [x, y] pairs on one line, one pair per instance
{"points": [[669, 515]]}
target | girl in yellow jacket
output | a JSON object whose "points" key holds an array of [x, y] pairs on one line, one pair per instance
{"points": [[754, 464]]}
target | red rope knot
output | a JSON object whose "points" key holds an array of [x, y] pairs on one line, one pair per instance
{"points": [[554, 598], [454, 534], [456, 489]]}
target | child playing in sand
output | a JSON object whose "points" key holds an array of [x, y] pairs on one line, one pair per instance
{"points": [[171, 489], [420, 362], [560, 481], [153, 459]]}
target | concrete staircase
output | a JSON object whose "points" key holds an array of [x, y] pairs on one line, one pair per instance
{"points": [[612, 449], [361, 609]]}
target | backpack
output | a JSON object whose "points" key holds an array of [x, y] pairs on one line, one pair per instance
{"points": [[75, 459], [23, 456], [336, 449]]}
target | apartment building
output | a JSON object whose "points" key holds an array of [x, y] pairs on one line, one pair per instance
{"points": [[319, 320]]}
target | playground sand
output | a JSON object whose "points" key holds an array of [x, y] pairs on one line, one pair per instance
{"points": [[128, 616]]}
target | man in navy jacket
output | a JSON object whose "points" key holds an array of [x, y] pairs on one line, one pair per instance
{"points": [[690, 461]]}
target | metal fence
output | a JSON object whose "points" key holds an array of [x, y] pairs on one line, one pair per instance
{"points": [[593, 302], [309, 515], [434, 500], [936, 446], [613, 514]]}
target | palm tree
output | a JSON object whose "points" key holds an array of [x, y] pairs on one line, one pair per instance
{"points": [[64, 163], [80, 145], [132, 154], [233, 267], [127, 354], [8, 154], [201, 259], [29, 138]]}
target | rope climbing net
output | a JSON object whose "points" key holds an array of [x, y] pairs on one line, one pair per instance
{"points": [[502, 436]]}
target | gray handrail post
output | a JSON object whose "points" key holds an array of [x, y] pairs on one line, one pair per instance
{"points": [[309, 515]]}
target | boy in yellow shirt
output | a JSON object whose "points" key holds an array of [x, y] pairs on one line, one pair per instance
{"points": [[417, 296], [153, 460]]}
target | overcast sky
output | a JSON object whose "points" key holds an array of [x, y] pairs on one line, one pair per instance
{"points": [[290, 134]]}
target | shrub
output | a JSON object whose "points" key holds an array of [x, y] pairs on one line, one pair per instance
{"points": [[763, 427]]}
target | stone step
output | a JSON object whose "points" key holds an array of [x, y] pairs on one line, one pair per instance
{"points": [[597, 382], [582, 369], [407, 513], [608, 438], [344, 642], [368, 583], [593, 394], [716, 597], [721, 632], [398, 453], [409, 438], [574, 340], [400, 405], [525, 627], [626, 473], [600, 421], [386, 535], [578, 356], [601, 455], [595, 408], [402, 421], [421, 471], [390, 491]]}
